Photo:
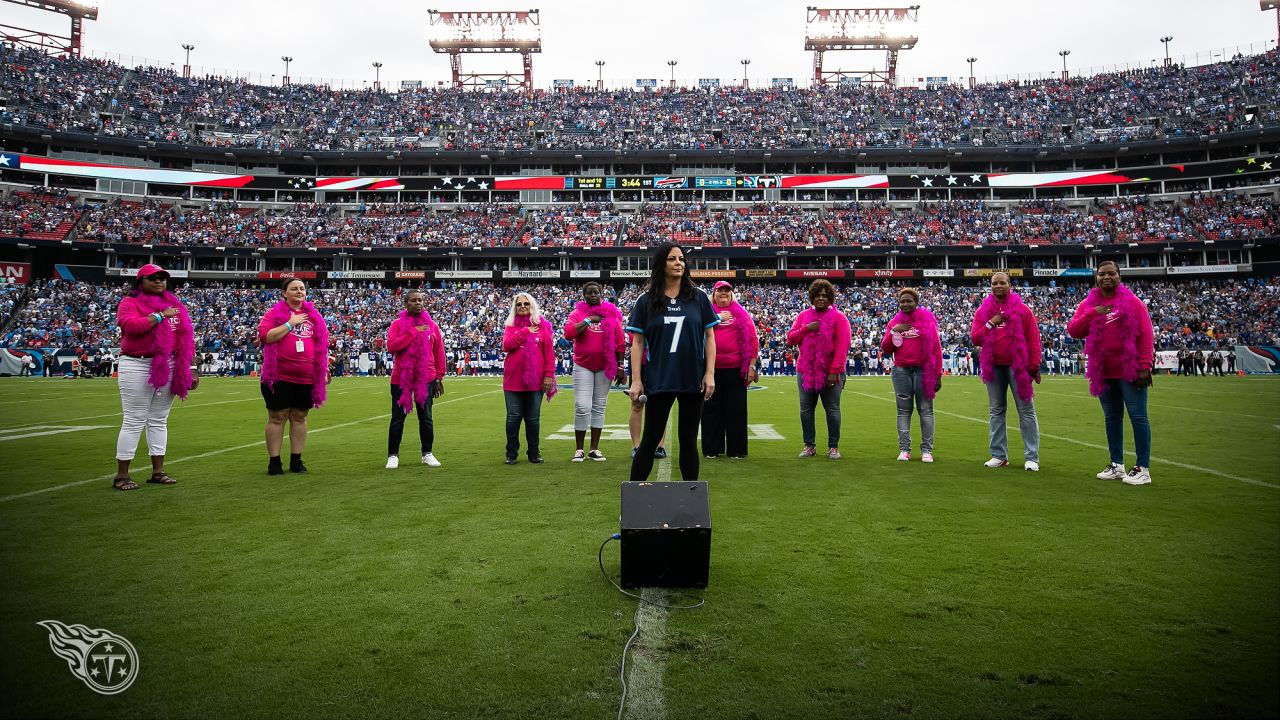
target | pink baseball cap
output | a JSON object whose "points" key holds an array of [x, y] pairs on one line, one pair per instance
{"points": [[151, 269], [722, 284]]}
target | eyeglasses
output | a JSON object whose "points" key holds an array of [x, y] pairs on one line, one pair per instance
{"points": [[155, 278], [524, 304]]}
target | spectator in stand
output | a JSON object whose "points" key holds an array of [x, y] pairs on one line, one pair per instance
{"points": [[295, 371], [672, 322], [913, 342], [528, 373], [724, 416], [1118, 341], [417, 375], [595, 327], [823, 336], [155, 367], [1009, 335]]}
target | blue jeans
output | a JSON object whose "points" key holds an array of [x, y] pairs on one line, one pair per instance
{"points": [[526, 406], [1120, 396], [998, 400], [830, 397], [908, 391]]}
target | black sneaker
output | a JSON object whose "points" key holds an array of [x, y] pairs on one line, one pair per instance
{"points": [[297, 467], [510, 460], [660, 453], [275, 468], [535, 459]]}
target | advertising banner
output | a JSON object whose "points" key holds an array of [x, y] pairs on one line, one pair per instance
{"points": [[884, 273], [465, 274], [12, 273], [939, 273], [762, 273], [830, 274], [1201, 269], [411, 275], [133, 272], [629, 273], [529, 274], [584, 274], [357, 275], [988, 272], [1258, 359], [300, 274], [730, 274]]}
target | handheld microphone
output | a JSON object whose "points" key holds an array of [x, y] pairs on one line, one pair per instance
{"points": [[642, 399]]}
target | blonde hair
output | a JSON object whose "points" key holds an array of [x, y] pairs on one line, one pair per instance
{"points": [[535, 311]]}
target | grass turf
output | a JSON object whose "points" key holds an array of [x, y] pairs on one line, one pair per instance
{"points": [[863, 587]]}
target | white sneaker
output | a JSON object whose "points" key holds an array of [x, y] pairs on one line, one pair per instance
{"points": [[1138, 475], [578, 456], [596, 455], [430, 460], [1114, 471], [995, 463], [1031, 466], [904, 456], [926, 457], [393, 462]]}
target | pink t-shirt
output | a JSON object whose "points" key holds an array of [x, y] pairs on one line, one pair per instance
{"points": [[297, 352], [728, 341], [591, 346]]}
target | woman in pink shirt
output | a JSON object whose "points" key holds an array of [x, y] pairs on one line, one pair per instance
{"points": [[595, 327], [295, 371], [1009, 335], [724, 415], [913, 343], [417, 376], [528, 373], [1119, 346], [822, 332], [157, 346]]}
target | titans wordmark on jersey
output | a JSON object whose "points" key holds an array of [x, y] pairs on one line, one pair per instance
{"points": [[675, 341]]}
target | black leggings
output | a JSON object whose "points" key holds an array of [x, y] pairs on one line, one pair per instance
{"points": [[656, 412]]}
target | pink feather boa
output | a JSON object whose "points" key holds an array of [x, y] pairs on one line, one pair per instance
{"points": [[278, 315], [611, 323], [748, 338], [415, 361], [175, 348], [1017, 315], [1126, 306], [923, 320], [817, 348], [532, 354]]}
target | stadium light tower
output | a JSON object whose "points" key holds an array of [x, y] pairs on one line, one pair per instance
{"points": [[287, 59], [64, 45], [186, 65], [859, 29], [745, 83], [1166, 40], [1266, 5], [488, 32], [599, 75], [1064, 54], [971, 61], [673, 63], [377, 76]]}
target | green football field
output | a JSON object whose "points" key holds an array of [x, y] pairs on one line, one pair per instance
{"points": [[858, 588]]}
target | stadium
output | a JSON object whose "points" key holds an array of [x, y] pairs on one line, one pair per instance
{"points": [[857, 583]]}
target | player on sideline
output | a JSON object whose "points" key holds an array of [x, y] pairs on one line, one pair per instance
{"points": [[1119, 343], [417, 375], [1009, 335], [673, 324]]}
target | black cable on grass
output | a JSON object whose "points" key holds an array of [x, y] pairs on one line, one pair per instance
{"points": [[622, 674]]}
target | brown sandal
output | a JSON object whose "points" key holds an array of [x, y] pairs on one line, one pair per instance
{"points": [[162, 478], [124, 483]]}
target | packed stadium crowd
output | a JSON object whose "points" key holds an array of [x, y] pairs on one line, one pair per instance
{"points": [[1192, 314], [1037, 222], [103, 98]]}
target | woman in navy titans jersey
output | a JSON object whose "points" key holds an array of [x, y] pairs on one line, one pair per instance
{"points": [[671, 326]]}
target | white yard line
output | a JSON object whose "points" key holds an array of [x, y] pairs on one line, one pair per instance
{"points": [[222, 451], [1063, 438], [645, 700]]}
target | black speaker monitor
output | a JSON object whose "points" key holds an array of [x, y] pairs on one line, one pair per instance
{"points": [[666, 534]]}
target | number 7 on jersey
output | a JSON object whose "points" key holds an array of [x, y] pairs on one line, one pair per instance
{"points": [[679, 323]]}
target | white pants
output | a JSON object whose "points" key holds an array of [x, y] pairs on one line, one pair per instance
{"points": [[143, 406], [590, 395]]}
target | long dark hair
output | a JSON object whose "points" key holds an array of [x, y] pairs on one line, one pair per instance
{"points": [[658, 278]]}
